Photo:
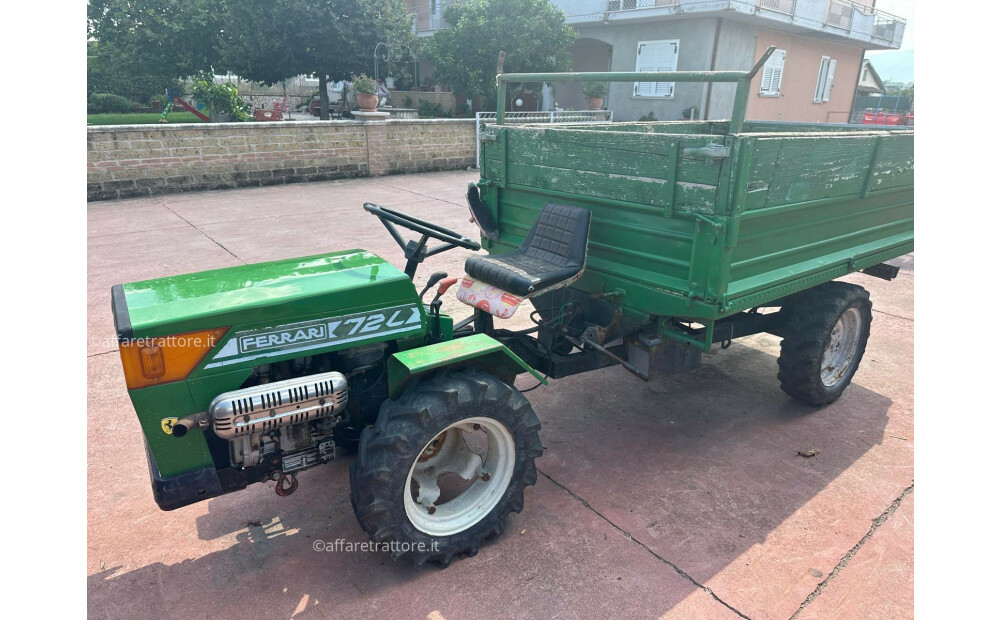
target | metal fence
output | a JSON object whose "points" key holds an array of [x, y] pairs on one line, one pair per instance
{"points": [[556, 117], [840, 14], [778, 6], [628, 5]]}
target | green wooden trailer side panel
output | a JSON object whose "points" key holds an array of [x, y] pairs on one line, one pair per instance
{"points": [[688, 235], [811, 203]]}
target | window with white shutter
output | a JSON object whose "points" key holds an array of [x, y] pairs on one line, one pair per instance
{"points": [[774, 68], [824, 82], [829, 80], [655, 56]]}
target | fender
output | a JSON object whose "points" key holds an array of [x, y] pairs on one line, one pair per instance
{"points": [[477, 351]]}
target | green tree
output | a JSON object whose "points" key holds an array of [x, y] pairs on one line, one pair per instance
{"points": [[271, 40], [109, 71], [176, 38], [532, 32], [260, 40]]}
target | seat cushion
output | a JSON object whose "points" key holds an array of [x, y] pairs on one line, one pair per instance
{"points": [[488, 298], [555, 250], [517, 273]]}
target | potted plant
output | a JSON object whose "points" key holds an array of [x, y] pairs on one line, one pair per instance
{"points": [[595, 93], [222, 100], [365, 90], [690, 113]]}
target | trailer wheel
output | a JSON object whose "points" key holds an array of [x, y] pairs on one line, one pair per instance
{"points": [[824, 341], [444, 465]]}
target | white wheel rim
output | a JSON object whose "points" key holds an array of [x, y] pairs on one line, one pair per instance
{"points": [[487, 472], [841, 347]]}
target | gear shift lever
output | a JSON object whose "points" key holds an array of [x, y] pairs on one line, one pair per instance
{"points": [[436, 277]]}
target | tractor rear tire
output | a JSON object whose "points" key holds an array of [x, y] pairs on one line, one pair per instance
{"points": [[824, 342], [427, 431]]}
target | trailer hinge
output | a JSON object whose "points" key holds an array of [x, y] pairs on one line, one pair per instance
{"points": [[719, 227], [710, 151]]}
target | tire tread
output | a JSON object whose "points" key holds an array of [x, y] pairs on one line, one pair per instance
{"points": [[403, 427], [814, 313]]}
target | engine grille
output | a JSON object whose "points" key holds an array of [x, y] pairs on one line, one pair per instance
{"points": [[269, 406]]}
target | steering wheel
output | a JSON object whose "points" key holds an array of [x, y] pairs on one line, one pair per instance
{"points": [[416, 251]]}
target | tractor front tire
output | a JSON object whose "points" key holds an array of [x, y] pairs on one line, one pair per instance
{"points": [[824, 342], [469, 426]]}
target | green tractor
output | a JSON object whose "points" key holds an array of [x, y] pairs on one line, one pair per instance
{"points": [[637, 244]]}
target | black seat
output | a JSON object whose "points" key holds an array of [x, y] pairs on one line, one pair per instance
{"points": [[554, 251]]}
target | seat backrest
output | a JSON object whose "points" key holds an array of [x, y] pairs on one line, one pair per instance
{"points": [[559, 236]]}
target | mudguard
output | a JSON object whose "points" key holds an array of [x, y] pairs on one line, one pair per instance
{"points": [[477, 351]]}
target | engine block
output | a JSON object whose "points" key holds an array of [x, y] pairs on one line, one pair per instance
{"points": [[269, 406]]}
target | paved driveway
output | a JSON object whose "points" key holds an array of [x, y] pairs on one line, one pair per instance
{"points": [[680, 499]]}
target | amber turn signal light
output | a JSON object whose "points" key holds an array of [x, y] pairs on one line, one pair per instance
{"points": [[154, 361], [151, 361]]}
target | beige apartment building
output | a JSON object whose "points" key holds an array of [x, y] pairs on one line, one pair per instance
{"points": [[812, 77]]}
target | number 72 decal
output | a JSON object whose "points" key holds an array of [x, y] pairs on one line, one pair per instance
{"points": [[253, 344]]}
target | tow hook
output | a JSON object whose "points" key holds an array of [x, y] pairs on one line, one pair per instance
{"points": [[287, 483]]}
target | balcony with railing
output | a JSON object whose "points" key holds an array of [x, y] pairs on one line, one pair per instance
{"points": [[631, 5], [785, 7], [844, 18]]}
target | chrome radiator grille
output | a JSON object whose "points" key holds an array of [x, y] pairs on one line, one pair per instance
{"points": [[269, 406]]}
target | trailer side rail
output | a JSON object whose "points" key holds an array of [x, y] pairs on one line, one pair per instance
{"points": [[742, 80]]}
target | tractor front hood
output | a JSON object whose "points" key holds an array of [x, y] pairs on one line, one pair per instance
{"points": [[277, 292]]}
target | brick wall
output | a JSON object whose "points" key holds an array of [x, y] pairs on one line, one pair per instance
{"points": [[426, 145], [141, 160]]}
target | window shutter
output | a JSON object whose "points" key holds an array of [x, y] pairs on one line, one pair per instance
{"points": [[667, 62], [770, 83], [655, 56], [824, 69], [831, 70], [645, 60]]}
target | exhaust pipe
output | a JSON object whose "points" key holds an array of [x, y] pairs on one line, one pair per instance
{"points": [[182, 426]]}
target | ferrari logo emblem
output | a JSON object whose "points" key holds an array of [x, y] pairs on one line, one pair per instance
{"points": [[167, 424]]}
